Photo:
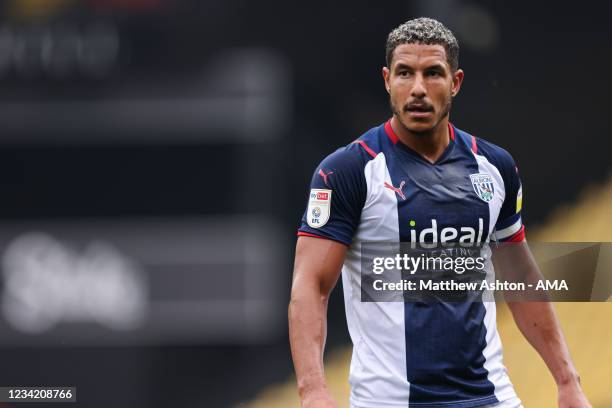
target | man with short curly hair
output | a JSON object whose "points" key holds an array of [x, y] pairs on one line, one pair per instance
{"points": [[416, 178]]}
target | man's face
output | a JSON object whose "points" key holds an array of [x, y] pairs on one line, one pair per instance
{"points": [[421, 85]]}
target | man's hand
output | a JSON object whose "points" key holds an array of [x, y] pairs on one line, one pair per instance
{"points": [[571, 396], [319, 399]]}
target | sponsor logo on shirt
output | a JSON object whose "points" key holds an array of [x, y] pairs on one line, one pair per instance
{"points": [[463, 235]]}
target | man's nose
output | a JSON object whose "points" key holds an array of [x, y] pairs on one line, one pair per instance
{"points": [[418, 87]]}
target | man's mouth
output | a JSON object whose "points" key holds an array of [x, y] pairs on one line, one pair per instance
{"points": [[419, 110]]}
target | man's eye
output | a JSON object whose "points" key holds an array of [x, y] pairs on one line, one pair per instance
{"points": [[403, 73], [433, 73]]}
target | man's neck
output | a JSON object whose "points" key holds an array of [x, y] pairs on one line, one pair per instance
{"points": [[429, 145]]}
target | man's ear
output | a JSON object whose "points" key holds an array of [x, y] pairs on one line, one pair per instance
{"points": [[457, 81], [385, 74]]}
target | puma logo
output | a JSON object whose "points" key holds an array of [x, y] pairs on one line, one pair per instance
{"points": [[396, 189], [324, 175]]}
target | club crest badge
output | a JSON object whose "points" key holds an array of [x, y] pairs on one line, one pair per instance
{"points": [[319, 204], [483, 186]]}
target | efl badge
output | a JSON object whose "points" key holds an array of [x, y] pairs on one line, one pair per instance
{"points": [[319, 205], [483, 186]]}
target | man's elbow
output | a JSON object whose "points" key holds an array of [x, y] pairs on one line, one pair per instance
{"points": [[303, 294]]}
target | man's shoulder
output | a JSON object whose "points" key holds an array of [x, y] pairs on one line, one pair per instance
{"points": [[356, 153], [494, 153]]}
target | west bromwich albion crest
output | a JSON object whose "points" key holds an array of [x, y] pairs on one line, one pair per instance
{"points": [[483, 186]]}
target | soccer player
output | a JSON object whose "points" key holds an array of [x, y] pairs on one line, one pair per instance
{"points": [[416, 171]]}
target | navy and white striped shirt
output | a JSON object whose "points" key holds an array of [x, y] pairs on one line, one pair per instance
{"points": [[376, 189]]}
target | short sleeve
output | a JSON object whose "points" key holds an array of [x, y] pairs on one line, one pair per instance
{"points": [[337, 195], [509, 226]]}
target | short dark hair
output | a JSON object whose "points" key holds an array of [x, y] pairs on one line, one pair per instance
{"points": [[424, 31]]}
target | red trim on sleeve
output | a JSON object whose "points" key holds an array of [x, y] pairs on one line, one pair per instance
{"points": [[308, 234], [519, 236], [390, 132], [366, 147], [451, 131], [474, 146]]}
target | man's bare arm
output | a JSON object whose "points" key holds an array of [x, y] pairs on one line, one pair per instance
{"points": [[317, 267], [538, 323]]}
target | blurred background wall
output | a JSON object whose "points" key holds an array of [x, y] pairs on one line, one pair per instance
{"points": [[155, 157]]}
